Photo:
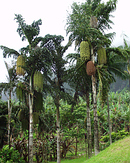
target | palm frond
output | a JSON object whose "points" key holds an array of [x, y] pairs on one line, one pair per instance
{"points": [[25, 31], [8, 52], [36, 41], [120, 52], [72, 57], [119, 72]]}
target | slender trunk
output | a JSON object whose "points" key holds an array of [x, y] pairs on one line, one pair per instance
{"points": [[109, 121], [58, 121], [129, 84], [30, 155], [76, 146], [9, 118], [89, 136], [86, 145], [96, 136], [58, 131]]}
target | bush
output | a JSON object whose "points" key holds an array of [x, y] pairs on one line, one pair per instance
{"points": [[115, 136], [121, 134], [10, 155]]}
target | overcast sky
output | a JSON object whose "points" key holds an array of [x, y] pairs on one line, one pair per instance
{"points": [[53, 14]]}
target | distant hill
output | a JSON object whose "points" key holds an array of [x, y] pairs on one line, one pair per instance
{"points": [[119, 85]]}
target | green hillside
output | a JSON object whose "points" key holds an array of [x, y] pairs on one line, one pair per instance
{"points": [[118, 152]]}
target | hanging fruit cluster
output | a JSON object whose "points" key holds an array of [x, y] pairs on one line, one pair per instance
{"points": [[102, 59], [38, 101], [90, 68], [19, 66], [93, 22], [23, 117], [35, 118], [38, 81], [20, 91], [84, 51]]}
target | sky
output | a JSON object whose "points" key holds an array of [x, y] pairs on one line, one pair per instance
{"points": [[53, 14]]}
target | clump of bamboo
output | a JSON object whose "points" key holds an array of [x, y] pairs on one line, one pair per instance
{"points": [[90, 68], [38, 81], [19, 66], [84, 51], [102, 58]]}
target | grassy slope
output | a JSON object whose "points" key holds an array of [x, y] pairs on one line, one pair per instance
{"points": [[118, 152], [79, 160]]}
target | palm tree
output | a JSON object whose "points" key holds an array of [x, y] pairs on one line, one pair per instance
{"points": [[9, 87], [81, 27], [57, 79], [81, 83], [31, 32], [31, 54], [116, 65], [126, 47]]}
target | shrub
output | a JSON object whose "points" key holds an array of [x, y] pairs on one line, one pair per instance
{"points": [[115, 136], [10, 155]]}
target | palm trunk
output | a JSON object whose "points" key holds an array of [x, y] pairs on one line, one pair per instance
{"points": [[96, 136], [58, 121], [9, 118], [129, 84], [89, 136], [109, 121], [76, 146], [30, 155], [58, 131]]}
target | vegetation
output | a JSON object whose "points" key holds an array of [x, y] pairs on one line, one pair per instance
{"points": [[73, 127], [117, 152], [59, 112], [10, 155], [86, 25]]}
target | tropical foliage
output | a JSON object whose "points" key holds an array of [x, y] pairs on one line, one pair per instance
{"points": [[73, 126], [60, 108]]}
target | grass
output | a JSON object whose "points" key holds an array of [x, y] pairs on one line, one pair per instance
{"points": [[80, 159], [118, 152]]}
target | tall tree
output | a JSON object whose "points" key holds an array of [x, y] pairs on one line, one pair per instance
{"points": [[87, 22], [9, 88], [116, 65], [126, 47], [57, 79], [81, 83], [36, 59]]}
